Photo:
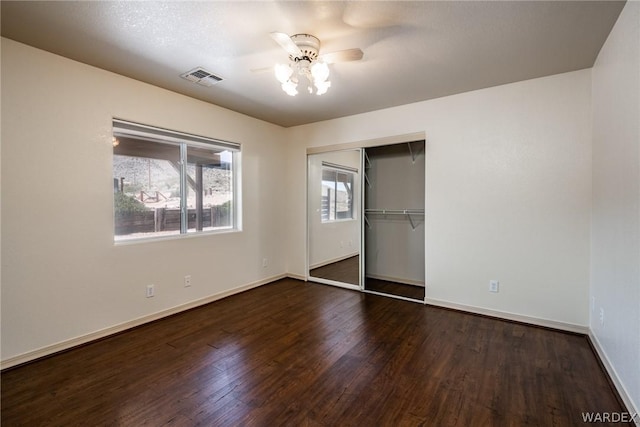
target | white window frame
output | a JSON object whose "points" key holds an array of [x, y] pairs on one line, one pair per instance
{"points": [[183, 141]]}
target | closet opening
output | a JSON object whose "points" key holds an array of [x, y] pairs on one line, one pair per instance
{"points": [[393, 229], [366, 216]]}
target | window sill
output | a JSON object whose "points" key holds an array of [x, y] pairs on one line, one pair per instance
{"points": [[137, 240]]}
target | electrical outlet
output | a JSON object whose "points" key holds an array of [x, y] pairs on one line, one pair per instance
{"points": [[494, 286], [601, 316], [265, 262], [187, 281], [151, 291]]}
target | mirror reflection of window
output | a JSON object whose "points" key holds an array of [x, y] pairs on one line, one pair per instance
{"points": [[333, 207], [337, 194]]}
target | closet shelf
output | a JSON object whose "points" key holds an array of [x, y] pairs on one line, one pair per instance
{"points": [[415, 154], [407, 212], [396, 211]]}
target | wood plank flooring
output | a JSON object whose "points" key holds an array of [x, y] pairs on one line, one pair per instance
{"points": [[394, 288], [303, 354], [347, 271]]}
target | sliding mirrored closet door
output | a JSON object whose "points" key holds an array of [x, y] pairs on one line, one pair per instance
{"points": [[394, 220], [334, 216]]}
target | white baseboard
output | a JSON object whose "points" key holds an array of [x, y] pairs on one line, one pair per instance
{"points": [[613, 374], [335, 283], [396, 280], [331, 261], [102, 333], [297, 276], [553, 324]]}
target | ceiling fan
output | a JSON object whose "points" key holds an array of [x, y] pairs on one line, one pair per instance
{"points": [[304, 60]]}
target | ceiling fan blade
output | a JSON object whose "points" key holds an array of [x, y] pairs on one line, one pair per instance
{"points": [[286, 43], [347, 55]]}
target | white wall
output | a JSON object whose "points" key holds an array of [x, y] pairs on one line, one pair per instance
{"points": [[62, 276], [508, 193], [615, 262], [335, 240]]}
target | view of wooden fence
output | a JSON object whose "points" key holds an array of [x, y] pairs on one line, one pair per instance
{"points": [[165, 219]]}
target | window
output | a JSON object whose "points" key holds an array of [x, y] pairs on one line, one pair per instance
{"points": [[337, 192], [170, 183]]}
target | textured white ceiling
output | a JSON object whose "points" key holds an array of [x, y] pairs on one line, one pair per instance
{"points": [[413, 50]]}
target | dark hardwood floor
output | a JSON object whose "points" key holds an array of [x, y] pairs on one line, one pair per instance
{"points": [[393, 288], [294, 353], [347, 271]]}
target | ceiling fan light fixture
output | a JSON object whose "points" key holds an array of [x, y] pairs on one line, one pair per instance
{"points": [[316, 73], [320, 71], [304, 61], [290, 88], [322, 87], [283, 72]]}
